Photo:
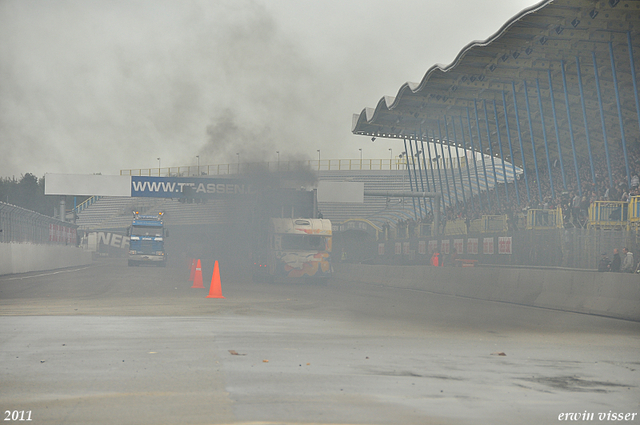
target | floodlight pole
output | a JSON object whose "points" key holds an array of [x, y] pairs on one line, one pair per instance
{"points": [[63, 209]]}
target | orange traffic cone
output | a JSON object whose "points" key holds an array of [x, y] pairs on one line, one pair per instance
{"points": [[216, 288], [193, 270], [197, 278]]}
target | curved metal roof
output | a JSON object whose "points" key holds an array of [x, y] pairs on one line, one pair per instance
{"points": [[549, 70]]}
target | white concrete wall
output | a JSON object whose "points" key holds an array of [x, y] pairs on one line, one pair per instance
{"points": [[607, 294], [26, 257]]}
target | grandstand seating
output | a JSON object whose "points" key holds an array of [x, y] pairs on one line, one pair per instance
{"points": [[111, 212]]}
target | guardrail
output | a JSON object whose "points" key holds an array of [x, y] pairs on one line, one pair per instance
{"points": [[609, 214], [25, 226], [244, 167], [485, 224], [86, 204], [544, 219], [634, 210]]}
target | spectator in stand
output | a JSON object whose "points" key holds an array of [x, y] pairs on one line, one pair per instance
{"points": [[615, 263], [635, 180], [584, 207], [628, 264], [578, 199], [625, 196], [575, 211]]}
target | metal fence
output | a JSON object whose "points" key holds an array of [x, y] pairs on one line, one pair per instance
{"points": [[317, 165], [544, 219], [611, 215], [26, 226], [575, 248]]}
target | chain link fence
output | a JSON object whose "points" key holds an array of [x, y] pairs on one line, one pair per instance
{"points": [[25, 226], [574, 247]]}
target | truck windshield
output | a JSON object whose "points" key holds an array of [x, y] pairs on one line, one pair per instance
{"points": [[303, 242], [146, 231]]}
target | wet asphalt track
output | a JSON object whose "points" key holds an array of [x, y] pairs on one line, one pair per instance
{"points": [[108, 344]]}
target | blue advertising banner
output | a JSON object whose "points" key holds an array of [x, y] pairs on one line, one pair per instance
{"points": [[192, 187]]}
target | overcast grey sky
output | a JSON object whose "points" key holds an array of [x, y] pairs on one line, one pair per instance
{"points": [[100, 86]]}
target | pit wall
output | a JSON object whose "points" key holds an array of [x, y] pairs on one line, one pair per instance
{"points": [[26, 257], [606, 294]]}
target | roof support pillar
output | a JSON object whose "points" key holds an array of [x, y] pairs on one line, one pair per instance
{"points": [[446, 178], [586, 121], [453, 173], [484, 165], [602, 122], [426, 174], [513, 160], [475, 162], [555, 124], [453, 126], [415, 176], [524, 163], [424, 200], [424, 157], [406, 155], [435, 151], [573, 141], [544, 136], [493, 162], [624, 141], [504, 169], [533, 144]]}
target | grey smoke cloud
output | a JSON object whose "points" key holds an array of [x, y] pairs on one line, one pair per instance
{"points": [[107, 85], [93, 84]]}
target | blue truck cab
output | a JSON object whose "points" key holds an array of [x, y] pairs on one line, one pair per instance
{"points": [[146, 244]]}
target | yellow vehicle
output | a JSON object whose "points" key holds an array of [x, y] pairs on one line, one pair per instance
{"points": [[297, 248]]}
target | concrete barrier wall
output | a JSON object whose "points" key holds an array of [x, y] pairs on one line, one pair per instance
{"points": [[607, 294], [25, 257]]}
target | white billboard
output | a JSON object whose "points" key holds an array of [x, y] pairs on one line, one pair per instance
{"points": [[87, 184], [330, 191]]}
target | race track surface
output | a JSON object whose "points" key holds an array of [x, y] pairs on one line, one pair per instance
{"points": [[111, 344]]}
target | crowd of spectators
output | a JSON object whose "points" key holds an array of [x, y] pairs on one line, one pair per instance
{"points": [[595, 186], [572, 195]]}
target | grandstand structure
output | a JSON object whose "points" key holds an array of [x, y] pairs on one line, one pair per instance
{"points": [[554, 92]]}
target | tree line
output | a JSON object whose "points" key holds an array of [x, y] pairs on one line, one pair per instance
{"points": [[28, 192]]}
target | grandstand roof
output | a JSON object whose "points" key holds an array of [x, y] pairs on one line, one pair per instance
{"points": [[530, 51]]}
